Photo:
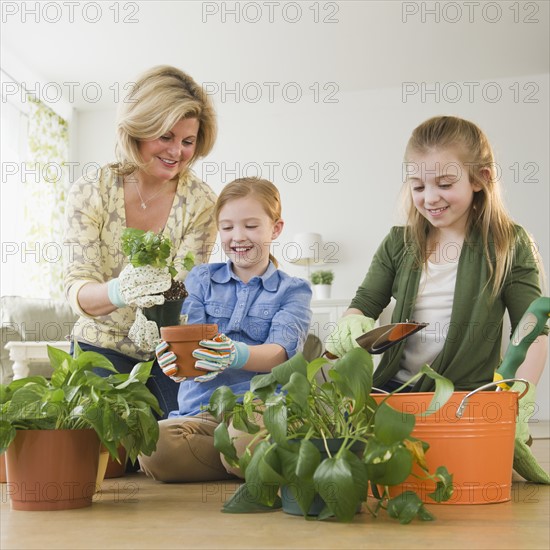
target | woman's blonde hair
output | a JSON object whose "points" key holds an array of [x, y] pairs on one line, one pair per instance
{"points": [[487, 212], [262, 190], [161, 97]]}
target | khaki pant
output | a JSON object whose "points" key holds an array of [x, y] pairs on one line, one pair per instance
{"points": [[185, 451]]}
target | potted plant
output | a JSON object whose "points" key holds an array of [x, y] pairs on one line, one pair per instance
{"points": [[322, 281], [366, 445], [155, 249], [52, 429]]}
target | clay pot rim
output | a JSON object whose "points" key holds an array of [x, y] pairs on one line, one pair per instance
{"points": [[185, 333]]}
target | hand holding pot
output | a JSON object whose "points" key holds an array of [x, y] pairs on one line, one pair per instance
{"points": [[218, 354], [348, 329], [144, 333], [139, 286], [525, 464], [167, 361]]}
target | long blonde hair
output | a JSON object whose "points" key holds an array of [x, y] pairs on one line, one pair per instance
{"points": [[262, 190], [487, 212], [161, 97]]}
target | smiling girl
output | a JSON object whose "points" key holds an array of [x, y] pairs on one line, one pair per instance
{"points": [[163, 126], [263, 316], [459, 263]]}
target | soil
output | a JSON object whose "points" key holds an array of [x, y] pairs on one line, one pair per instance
{"points": [[176, 292]]}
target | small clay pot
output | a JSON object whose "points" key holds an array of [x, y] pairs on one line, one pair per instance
{"points": [[183, 340]]}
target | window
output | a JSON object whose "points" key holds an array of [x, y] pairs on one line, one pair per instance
{"points": [[34, 182]]}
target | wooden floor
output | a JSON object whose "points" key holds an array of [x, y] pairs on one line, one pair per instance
{"points": [[136, 512]]}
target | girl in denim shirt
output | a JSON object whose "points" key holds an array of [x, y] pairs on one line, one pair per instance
{"points": [[263, 317]]}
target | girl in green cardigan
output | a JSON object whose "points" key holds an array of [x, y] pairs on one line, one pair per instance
{"points": [[458, 263]]}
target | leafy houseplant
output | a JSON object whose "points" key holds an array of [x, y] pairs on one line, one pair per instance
{"points": [[322, 277], [321, 281], [149, 248], [119, 407], [299, 414], [52, 429]]}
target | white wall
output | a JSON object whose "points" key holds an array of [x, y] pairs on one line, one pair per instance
{"points": [[363, 135]]}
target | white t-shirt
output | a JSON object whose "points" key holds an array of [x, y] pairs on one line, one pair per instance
{"points": [[434, 304]]}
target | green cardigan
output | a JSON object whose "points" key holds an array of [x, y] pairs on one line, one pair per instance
{"points": [[471, 352]]}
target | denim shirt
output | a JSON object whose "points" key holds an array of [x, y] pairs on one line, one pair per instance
{"points": [[271, 309]]}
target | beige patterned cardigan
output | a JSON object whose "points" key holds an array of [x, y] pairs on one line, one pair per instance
{"points": [[95, 219]]}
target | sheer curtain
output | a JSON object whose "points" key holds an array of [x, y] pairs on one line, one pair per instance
{"points": [[34, 151]]}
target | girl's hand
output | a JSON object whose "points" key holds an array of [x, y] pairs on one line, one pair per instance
{"points": [[167, 361], [221, 353]]}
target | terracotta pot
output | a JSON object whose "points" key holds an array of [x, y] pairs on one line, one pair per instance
{"points": [[3, 477], [114, 468], [477, 448], [183, 340], [52, 469], [108, 467]]}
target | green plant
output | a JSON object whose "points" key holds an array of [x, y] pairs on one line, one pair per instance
{"points": [[119, 407], [149, 248], [295, 409], [322, 277]]}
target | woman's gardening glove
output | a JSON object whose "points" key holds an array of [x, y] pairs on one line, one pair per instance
{"points": [[525, 464], [167, 361], [219, 354], [348, 329], [144, 333], [139, 286]]}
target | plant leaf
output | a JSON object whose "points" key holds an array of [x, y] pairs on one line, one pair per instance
{"points": [[405, 507], [264, 492], [244, 500], [309, 458], [315, 366], [393, 467], [221, 401], [443, 390], [444, 487], [223, 444], [333, 480], [275, 422], [282, 373], [391, 426], [352, 374], [298, 389]]}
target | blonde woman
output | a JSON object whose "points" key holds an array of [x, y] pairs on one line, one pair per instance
{"points": [[459, 263], [163, 126]]}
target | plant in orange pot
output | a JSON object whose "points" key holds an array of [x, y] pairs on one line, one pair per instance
{"points": [[51, 430]]}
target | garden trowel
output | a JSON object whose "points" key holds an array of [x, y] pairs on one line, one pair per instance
{"points": [[381, 338]]}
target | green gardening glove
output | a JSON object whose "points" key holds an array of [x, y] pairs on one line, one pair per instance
{"points": [[525, 464], [348, 329]]}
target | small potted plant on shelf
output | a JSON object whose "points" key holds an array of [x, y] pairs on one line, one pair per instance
{"points": [[52, 429], [324, 445], [322, 282], [155, 249]]}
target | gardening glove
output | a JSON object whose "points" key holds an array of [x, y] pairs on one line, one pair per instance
{"points": [[525, 464], [139, 286], [144, 333], [218, 354], [167, 361], [348, 329]]}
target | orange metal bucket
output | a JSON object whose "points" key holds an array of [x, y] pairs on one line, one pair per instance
{"points": [[477, 448]]}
